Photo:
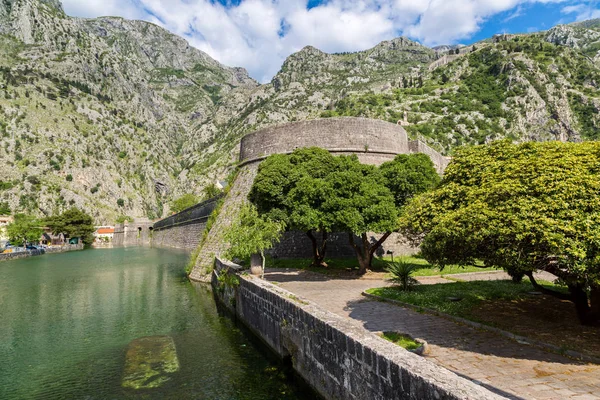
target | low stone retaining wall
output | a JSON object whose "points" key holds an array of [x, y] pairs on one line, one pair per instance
{"points": [[22, 254], [338, 358], [63, 249], [33, 253]]}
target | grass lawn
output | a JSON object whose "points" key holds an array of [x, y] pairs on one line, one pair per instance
{"points": [[508, 306], [340, 265], [472, 294], [401, 340]]}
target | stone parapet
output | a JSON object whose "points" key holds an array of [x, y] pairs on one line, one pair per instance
{"points": [[373, 141], [338, 358]]}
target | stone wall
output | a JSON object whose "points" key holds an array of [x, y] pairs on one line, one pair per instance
{"points": [[137, 233], [215, 245], [374, 141], [440, 162], [298, 245], [338, 358], [184, 230], [33, 253]]}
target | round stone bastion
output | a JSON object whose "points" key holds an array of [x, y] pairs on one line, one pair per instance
{"points": [[373, 141]]}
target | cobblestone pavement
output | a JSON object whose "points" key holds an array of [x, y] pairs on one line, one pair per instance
{"points": [[509, 368]]}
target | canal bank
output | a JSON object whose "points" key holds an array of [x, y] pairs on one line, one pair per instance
{"points": [[34, 253], [339, 359]]}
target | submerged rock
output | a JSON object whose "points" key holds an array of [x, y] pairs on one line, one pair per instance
{"points": [[149, 362]]}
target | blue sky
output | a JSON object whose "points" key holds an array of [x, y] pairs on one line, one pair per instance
{"points": [[260, 34]]}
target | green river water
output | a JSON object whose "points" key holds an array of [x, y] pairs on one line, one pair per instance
{"points": [[66, 321]]}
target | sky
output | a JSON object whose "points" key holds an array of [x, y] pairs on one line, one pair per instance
{"points": [[260, 34]]}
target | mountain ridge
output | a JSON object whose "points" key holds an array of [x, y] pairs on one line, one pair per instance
{"points": [[97, 110]]}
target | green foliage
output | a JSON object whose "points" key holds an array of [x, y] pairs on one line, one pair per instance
{"points": [[472, 294], [5, 208], [211, 191], [251, 234], [123, 218], [73, 223], [24, 229], [184, 202], [69, 178], [523, 208], [122, 154], [402, 340], [6, 185], [408, 175], [401, 274], [120, 202]]}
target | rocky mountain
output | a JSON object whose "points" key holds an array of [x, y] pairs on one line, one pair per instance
{"points": [[119, 117]]}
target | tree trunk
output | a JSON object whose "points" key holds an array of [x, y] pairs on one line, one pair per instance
{"points": [[365, 253], [318, 249], [588, 314], [595, 305], [580, 299]]}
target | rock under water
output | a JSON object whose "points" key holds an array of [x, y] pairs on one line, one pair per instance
{"points": [[149, 362]]}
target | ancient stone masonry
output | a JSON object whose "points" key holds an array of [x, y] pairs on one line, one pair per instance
{"points": [[137, 233], [184, 230], [337, 357], [373, 141]]}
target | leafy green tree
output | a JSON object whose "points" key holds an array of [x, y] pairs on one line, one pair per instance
{"points": [[408, 175], [359, 202], [252, 234], [24, 229], [73, 223], [291, 189], [184, 202], [524, 208], [120, 202]]}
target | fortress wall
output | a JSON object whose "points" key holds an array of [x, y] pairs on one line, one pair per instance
{"points": [[374, 141], [382, 142], [137, 233], [215, 245], [440, 161], [336, 357], [298, 245], [184, 230]]}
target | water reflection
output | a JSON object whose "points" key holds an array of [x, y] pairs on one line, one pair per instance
{"points": [[67, 320]]}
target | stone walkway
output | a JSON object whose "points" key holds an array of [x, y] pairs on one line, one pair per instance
{"points": [[511, 369]]}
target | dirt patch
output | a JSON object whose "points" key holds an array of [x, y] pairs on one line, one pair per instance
{"points": [[542, 318]]}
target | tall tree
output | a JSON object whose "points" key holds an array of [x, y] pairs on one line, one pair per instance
{"points": [[24, 229], [291, 189], [360, 203], [73, 223], [524, 208]]}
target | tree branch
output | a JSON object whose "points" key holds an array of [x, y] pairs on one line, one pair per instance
{"points": [[378, 243], [544, 290]]}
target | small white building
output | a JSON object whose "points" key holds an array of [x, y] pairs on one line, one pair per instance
{"points": [[104, 234]]}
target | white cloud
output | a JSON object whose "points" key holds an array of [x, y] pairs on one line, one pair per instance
{"points": [[260, 34], [583, 11]]}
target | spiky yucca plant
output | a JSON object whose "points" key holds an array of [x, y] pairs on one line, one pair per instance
{"points": [[401, 274]]}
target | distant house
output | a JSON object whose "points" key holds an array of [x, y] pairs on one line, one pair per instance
{"points": [[50, 239], [104, 234]]}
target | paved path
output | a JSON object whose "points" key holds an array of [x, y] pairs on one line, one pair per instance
{"points": [[514, 370]]}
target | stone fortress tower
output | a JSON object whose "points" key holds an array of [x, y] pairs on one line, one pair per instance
{"points": [[373, 141]]}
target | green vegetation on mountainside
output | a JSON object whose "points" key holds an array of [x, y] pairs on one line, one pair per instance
{"points": [[121, 117]]}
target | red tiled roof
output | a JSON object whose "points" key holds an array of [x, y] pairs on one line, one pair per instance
{"points": [[105, 231]]}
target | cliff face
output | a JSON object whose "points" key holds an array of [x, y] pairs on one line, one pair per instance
{"points": [[97, 110]]}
